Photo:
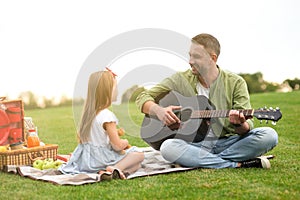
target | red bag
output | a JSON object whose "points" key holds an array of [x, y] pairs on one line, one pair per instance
{"points": [[11, 120], [4, 127]]}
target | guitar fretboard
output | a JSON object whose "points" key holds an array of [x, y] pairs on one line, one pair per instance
{"points": [[218, 113]]}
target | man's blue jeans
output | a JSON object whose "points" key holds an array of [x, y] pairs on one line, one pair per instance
{"points": [[222, 153]]}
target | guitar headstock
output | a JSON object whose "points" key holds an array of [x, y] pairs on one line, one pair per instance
{"points": [[268, 114]]}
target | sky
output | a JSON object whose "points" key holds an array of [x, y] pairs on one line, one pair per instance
{"points": [[43, 44]]}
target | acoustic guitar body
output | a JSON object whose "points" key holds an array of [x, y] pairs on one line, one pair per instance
{"points": [[154, 132]]}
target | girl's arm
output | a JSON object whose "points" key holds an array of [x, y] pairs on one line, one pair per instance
{"points": [[116, 142]]}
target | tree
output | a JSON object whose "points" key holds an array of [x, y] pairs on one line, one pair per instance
{"points": [[131, 94], [256, 83], [28, 99], [295, 83]]}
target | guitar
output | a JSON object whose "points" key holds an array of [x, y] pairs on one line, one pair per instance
{"points": [[195, 113]]}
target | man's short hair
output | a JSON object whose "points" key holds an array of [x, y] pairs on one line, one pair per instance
{"points": [[209, 42]]}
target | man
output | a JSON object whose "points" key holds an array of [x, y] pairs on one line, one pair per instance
{"points": [[230, 142]]}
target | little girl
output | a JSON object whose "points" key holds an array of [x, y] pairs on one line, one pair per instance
{"points": [[99, 143]]}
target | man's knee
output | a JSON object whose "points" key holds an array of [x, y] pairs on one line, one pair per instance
{"points": [[166, 146], [271, 135], [171, 149], [267, 137]]}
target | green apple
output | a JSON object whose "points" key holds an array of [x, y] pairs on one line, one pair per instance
{"points": [[48, 165], [49, 160], [56, 164], [38, 164]]}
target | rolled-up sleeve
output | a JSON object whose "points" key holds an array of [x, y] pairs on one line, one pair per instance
{"points": [[151, 95], [242, 98], [182, 82]]}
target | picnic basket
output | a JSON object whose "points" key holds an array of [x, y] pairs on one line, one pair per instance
{"points": [[28, 155], [13, 128]]}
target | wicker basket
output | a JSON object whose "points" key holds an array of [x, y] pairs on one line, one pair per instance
{"points": [[27, 156]]}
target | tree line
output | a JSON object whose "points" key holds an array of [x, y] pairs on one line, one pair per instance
{"points": [[32, 101], [255, 82]]}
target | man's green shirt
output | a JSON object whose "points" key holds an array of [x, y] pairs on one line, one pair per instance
{"points": [[229, 91]]}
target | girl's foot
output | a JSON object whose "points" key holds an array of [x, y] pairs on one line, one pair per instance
{"points": [[116, 173], [105, 175]]}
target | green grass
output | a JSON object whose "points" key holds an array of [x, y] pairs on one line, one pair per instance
{"points": [[56, 125]]}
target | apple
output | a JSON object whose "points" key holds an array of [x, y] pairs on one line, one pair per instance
{"points": [[49, 160], [47, 165], [38, 164], [56, 164]]}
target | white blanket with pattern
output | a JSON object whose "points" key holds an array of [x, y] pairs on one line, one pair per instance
{"points": [[153, 164]]}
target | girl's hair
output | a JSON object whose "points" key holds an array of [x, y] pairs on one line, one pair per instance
{"points": [[99, 97]]}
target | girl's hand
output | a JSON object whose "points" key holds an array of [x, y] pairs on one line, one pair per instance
{"points": [[116, 142], [125, 143]]}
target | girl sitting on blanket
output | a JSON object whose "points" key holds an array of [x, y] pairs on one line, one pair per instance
{"points": [[99, 145]]}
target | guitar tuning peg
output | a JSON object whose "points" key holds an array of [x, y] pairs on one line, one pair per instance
{"points": [[260, 121], [277, 108], [271, 109], [274, 123], [267, 121], [265, 108], [272, 117]]}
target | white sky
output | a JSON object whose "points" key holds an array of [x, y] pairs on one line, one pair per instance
{"points": [[43, 44]]}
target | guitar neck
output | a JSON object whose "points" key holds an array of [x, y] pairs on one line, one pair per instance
{"points": [[206, 114]]}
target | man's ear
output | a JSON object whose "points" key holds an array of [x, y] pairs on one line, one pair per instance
{"points": [[214, 57]]}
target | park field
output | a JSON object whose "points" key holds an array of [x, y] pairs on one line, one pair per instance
{"points": [[57, 126]]}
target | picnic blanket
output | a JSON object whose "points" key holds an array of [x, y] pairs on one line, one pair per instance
{"points": [[153, 164]]}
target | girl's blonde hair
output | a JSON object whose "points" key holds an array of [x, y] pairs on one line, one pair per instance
{"points": [[99, 97]]}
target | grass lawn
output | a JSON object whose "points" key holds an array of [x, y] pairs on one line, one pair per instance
{"points": [[56, 125]]}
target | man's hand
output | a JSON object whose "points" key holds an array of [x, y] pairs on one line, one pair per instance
{"points": [[238, 119], [166, 115]]}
